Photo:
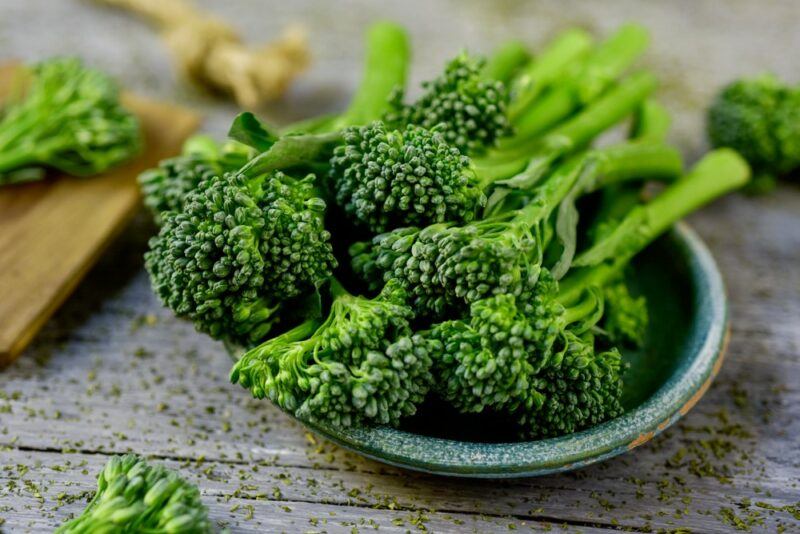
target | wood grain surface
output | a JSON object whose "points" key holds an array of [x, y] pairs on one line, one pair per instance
{"points": [[53, 231], [113, 371]]}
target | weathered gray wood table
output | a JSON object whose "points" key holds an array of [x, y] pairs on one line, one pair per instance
{"points": [[114, 372]]}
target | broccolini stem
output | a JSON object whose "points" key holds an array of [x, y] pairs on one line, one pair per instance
{"points": [[547, 68], [581, 310], [506, 61], [719, 172], [608, 110], [585, 84], [337, 289], [385, 69], [651, 122], [577, 132], [638, 160]]}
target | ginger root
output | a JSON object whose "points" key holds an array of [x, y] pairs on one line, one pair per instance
{"points": [[210, 52]]}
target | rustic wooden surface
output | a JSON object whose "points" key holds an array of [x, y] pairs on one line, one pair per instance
{"points": [[53, 231], [114, 372]]}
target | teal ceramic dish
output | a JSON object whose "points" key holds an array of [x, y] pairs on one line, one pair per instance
{"points": [[685, 349]]}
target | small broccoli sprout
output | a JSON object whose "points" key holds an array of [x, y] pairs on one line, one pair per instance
{"points": [[134, 496], [469, 108], [362, 364], [240, 246], [760, 118], [388, 178]]}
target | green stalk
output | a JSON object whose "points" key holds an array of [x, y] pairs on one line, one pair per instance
{"points": [[385, 69], [651, 122], [718, 173], [603, 66], [638, 161], [608, 110], [596, 118], [505, 61], [651, 125], [545, 69]]}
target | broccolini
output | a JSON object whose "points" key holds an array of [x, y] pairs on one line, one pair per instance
{"points": [[361, 364], [68, 117], [133, 496], [243, 243]]}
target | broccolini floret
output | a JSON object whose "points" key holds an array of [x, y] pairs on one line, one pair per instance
{"points": [[387, 179], [468, 108], [626, 317], [361, 364], [760, 118], [134, 496], [241, 245], [166, 187], [68, 117]]}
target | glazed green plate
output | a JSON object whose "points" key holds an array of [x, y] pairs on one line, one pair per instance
{"points": [[684, 351]]}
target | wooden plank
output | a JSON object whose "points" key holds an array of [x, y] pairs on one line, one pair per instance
{"points": [[239, 498], [53, 231]]}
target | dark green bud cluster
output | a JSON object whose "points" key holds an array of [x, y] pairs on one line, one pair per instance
{"points": [[578, 388], [485, 361], [760, 118], [362, 364], [446, 267], [388, 178], [489, 358], [239, 247], [133, 496], [470, 109], [625, 319], [165, 188]]}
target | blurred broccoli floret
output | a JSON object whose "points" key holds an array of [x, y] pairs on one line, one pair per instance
{"points": [[760, 118], [362, 364], [69, 118], [165, 187], [240, 246], [626, 318]]}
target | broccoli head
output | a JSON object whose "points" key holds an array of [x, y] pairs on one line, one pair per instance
{"points": [[362, 364], [388, 178], [760, 118], [469, 108], [239, 247]]}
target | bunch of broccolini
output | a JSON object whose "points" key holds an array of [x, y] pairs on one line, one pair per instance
{"points": [[488, 239], [133, 496], [68, 117]]}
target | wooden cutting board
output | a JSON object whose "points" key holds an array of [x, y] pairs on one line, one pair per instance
{"points": [[53, 231]]}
